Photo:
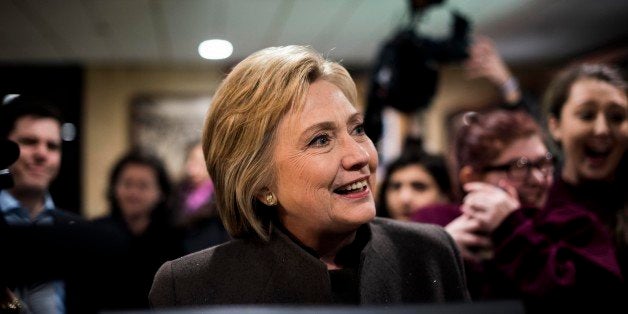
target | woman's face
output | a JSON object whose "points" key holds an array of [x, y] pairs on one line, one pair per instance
{"points": [[533, 187], [195, 168], [137, 190], [410, 188], [325, 166], [592, 130]]}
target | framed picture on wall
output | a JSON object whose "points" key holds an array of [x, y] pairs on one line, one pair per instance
{"points": [[167, 124]]}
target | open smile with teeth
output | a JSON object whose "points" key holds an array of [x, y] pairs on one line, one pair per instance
{"points": [[353, 187], [597, 152], [599, 146]]}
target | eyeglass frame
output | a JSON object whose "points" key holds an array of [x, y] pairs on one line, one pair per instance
{"points": [[544, 165]]}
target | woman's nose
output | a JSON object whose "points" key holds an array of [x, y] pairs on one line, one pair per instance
{"points": [[405, 195], [600, 126], [355, 156], [537, 176]]}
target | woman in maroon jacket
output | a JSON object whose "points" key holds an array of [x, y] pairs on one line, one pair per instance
{"points": [[587, 114], [514, 246]]}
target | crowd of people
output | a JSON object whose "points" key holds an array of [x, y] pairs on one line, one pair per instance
{"points": [[62, 263], [538, 211], [280, 202]]}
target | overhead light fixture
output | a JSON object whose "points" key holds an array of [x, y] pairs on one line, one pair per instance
{"points": [[9, 97], [215, 49]]}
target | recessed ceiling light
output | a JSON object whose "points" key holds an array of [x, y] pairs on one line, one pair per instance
{"points": [[215, 49], [9, 97]]}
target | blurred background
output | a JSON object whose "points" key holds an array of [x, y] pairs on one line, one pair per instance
{"points": [[129, 72]]}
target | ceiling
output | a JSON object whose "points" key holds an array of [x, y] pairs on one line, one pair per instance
{"points": [[169, 31]]}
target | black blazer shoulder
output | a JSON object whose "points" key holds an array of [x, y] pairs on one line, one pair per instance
{"points": [[64, 217], [412, 263], [402, 262]]}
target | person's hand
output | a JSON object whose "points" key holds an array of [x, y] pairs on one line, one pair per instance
{"points": [[489, 204], [466, 232], [485, 62]]}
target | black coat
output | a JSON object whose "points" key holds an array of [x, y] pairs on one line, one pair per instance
{"points": [[401, 263], [127, 279], [71, 249]]}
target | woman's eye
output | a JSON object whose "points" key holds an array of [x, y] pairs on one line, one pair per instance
{"points": [[319, 141], [586, 115], [394, 186], [359, 129], [419, 186], [616, 117]]}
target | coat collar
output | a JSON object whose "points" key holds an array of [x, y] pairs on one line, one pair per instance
{"points": [[292, 266], [376, 268]]}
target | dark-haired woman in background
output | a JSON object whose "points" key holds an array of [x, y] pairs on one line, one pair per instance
{"points": [[412, 181], [138, 194]]}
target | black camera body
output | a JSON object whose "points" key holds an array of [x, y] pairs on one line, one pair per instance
{"points": [[405, 76], [10, 153]]}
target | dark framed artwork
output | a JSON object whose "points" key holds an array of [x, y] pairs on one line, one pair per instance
{"points": [[167, 124]]}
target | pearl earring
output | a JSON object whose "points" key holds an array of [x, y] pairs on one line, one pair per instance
{"points": [[271, 200]]}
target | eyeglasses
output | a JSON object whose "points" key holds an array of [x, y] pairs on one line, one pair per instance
{"points": [[521, 168]]}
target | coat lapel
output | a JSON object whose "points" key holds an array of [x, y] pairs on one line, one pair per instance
{"points": [[379, 278], [296, 276]]}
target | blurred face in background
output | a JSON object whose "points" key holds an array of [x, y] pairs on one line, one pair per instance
{"points": [[411, 188], [39, 140], [195, 169], [527, 167], [326, 166], [592, 130], [137, 190]]}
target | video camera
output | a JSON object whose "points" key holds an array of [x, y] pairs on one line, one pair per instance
{"points": [[405, 75], [10, 153]]}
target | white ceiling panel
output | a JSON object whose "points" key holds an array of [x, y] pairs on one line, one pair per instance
{"points": [[72, 30], [312, 16], [129, 27], [249, 23], [192, 21], [377, 21], [20, 38], [169, 31]]}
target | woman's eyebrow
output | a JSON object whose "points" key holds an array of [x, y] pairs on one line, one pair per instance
{"points": [[325, 125]]}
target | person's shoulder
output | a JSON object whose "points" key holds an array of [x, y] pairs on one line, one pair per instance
{"points": [[440, 214], [405, 232], [222, 254], [107, 219], [414, 241], [62, 216], [204, 271]]}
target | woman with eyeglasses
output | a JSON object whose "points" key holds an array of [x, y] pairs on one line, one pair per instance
{"points": [[513, 244]]}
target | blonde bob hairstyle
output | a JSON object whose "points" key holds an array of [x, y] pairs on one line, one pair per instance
{"points": [[241, 127]]}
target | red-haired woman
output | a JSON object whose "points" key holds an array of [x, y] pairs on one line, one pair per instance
{"points": [[514, 245]]}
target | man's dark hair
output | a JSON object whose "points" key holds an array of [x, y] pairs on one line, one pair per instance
{"points": [[26, 105]]}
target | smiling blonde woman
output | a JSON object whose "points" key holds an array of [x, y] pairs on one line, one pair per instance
{"points": [[294, 173]]}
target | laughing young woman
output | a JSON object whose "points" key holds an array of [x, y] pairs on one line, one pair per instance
{"points": [[587, 115], [293, 173]]}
